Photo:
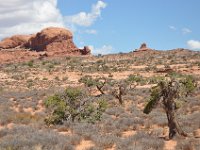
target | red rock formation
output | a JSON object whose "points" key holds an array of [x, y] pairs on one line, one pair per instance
{"points": [[51, 40], [86, 51], [14, 41], [143, 47]]}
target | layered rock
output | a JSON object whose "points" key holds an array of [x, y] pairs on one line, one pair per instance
{"points": [[14, 41]]}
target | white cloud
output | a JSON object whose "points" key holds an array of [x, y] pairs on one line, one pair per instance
{"points": [[91, 31], [26, 16], [186, 31], [105, 49], [193, 44], [183, 30], [172, 27], [86, 19]]}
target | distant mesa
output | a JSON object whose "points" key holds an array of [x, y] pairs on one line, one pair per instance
{"points": [[52, 40], [143, 47]]}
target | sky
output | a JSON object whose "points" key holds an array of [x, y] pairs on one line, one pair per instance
{"points": [[108, 26]]}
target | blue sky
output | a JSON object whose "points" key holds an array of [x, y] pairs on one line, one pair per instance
{"points": [[109, 26], [124, 25]]}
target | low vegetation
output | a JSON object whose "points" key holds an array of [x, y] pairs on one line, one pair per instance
{"points": [[103, 101]]}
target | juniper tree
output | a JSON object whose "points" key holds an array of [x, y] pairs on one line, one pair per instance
{"points": [[166, 92], [119, 89], [73, 104]]}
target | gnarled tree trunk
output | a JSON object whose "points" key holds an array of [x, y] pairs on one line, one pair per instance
{"points": [[173, 125]]}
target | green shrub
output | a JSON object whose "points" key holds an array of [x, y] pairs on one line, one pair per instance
{"points": [[189, 84], [87, 80], [58, 105], [73, 104], [135, 78], [30, 63], [155, 79]]}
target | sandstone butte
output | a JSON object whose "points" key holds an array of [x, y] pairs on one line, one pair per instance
{"points": [[143, 47], [52, 41]]}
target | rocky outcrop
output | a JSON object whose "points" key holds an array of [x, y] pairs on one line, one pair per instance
{"points": [[86, 51], [14, 41], [52, 39], [55, 40], [143, 47]]}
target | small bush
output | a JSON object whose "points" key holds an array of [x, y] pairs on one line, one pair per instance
{"points": [[30, 63]]}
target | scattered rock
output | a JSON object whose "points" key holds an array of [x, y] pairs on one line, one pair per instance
{"points": [[42, 55]]}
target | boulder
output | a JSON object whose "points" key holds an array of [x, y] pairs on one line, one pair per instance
{"points": [[14, 41], [52, 39], [86, 51]]}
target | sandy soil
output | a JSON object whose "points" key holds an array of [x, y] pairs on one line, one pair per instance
{"points": [[84, 145], [170, 145]]}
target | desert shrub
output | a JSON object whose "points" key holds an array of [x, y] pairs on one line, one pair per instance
{"points": [[160, 120], [155, 79], [25, 118], [126, 143], [175, 75], [6, 115], [158, 132], [30, 63], [85, 130], [116, 111], [73, 104], [151, 143], [189, 84], [143, 140], [104, 141], [151, 68], [191, 120], [188, 144], [123, 124], [24, 137], [87, 80], [98, 82], [135, 79]]}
